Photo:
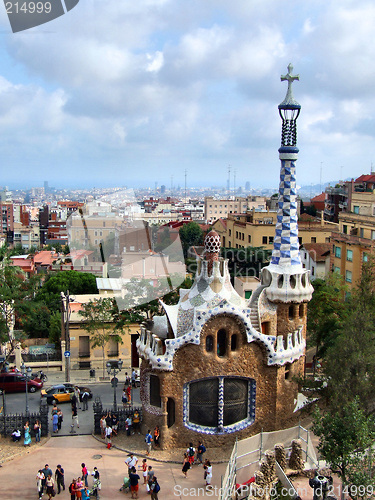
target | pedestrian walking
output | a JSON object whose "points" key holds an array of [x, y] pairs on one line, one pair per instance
{"points": [[27, 437], [50, 483], [77, 394], [148, 440], [124, 398], [129, 394], [156, 437], [150, 477], [72, 489], [37, 430], [75, 420], [39, 483], [84, 474], [134, 486], [201, 449], [55, 421], [60, 478], [114, 425], [155, 488], [191, 453], [208, 473], [46, 472], [79, 488], [103, 425], [185, 464], [134, 376], [85, 400], [136, 422], [60, 419], [128, 425], [144, 470], [108, 436], [131, 462]]}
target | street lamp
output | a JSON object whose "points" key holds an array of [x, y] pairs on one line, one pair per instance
{"points": [[26, 372], [112, 369], [66, 310]]}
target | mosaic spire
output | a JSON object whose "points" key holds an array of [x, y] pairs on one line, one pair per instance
{"points": [[284, 278], [212, 246], [286, 245]]}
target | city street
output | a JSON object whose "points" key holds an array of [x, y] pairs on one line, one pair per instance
{"points": [[16, 403]]}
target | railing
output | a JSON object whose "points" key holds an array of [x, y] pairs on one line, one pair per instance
{"points": [[247, 453], [37, 357]]}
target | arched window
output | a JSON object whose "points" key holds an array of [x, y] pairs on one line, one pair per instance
{"points": [[171, 412], [209, 343], [155, 399], [301, 310], [221, 342], [291, 312], [233, 342]]}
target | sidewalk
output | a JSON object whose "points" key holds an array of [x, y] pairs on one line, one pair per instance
{"points": [[18, 475]]}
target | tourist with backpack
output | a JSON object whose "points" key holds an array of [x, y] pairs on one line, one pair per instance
{"points": [[155, 488], [191, 453]]}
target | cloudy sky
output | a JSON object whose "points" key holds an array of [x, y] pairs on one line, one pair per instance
{"points": [[131, 92]]}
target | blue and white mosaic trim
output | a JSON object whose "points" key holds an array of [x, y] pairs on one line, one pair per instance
{"points": [[286, 245], [242, 424], [150, 346]]}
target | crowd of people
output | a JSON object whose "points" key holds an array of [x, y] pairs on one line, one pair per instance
{"points": [[192, 456], [47, 483], [16, 434]]}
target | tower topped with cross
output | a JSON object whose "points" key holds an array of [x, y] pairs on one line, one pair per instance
{"points": [[286, 277]]}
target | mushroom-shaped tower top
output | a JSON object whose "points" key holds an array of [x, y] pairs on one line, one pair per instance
{"points": [[212, 242]]}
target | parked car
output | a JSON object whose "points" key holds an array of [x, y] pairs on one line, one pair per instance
{"points": [[61, 393], [16, 382]]}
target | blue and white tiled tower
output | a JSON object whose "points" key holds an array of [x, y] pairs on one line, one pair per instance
{"points": [[286, 279]]}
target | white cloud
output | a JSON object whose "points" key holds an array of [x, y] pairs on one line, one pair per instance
{"points": [[189, 82]]}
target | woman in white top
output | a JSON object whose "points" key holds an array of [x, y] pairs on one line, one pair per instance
{"points": [[50, 483], [208, 468], [39, 483]]}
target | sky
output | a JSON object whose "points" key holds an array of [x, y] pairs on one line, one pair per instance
{"points": [[130, 93]]}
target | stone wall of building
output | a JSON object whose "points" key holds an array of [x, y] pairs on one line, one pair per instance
{"points": [[274, 394]]}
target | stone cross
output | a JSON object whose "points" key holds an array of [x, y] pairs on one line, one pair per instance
{"points": [[289, 77]]}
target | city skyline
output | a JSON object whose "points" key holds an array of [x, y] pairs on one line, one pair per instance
{"points": [[132, 94]]}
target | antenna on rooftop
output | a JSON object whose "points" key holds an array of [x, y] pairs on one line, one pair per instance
{"points": [[185, 183], [321, 168]]}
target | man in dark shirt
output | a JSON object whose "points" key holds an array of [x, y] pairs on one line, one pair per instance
{"points": [[133, 479], [59, 477]]}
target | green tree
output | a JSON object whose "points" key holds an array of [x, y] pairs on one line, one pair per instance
{"points": [[34, 319], [191, 235], [344, 437], [55, 329], [326, 312], [98, 321], [247, 261], [76, 282], [14, 291], [350, 360]]}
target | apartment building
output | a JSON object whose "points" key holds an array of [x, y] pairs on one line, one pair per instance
{"points": [[356, 238], [215, 209], [257, 229]]}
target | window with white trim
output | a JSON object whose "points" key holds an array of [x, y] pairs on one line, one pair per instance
{"points": [[237, 397]]}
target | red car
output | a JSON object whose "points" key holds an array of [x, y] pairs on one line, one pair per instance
{"points": [[16, 382]]}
